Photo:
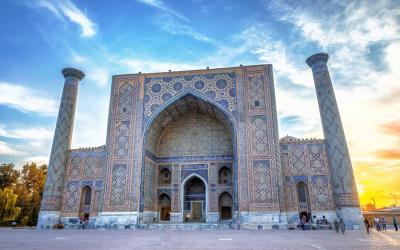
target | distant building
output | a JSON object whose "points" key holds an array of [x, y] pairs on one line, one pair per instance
{"points": [[388, 213], [199, 146]]}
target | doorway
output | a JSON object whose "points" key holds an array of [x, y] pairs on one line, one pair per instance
{"points": [[194, 200], [164, 204], [225, 206]]}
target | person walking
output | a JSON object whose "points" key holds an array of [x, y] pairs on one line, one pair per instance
{"points": [[336, 224], [376, 222], [383, 221], [342, 225], [395, 223], [367, 226]]}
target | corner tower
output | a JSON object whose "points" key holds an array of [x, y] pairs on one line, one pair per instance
{"points": [[342, 177], [53, 192]]}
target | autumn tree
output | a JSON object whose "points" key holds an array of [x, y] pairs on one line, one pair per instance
{"points": [[30, 190], [8, 175], [8, 209]]}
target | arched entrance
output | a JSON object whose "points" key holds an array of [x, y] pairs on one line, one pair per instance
{"points": [[185, 130], [164, 207], [86, 200], [303, 199], [225, 206], [194, 200]]}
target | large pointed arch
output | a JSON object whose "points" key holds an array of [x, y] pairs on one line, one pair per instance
{"points": [[168, 111]]}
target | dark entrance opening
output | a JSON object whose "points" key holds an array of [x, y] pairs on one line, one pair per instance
{"points": [[164, 204], [194, 200], [225, 206]]}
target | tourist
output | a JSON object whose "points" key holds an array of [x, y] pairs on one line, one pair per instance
{"points": [[366, 222], [376, 222], [336, 224], [342, 225], [383, 221], [395, 223]]}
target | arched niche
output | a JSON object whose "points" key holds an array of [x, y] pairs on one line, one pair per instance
{"points": [[187, 128], [225, 206], [225, 176]]}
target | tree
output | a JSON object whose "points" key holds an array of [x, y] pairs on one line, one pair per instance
{"points": [[30, 190], [8, 210], [8, 175]]}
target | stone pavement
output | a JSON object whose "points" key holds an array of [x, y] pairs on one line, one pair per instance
{"points": [[220, 239]]}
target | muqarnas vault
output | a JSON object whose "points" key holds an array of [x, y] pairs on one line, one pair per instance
{"points": [[199, 147]]}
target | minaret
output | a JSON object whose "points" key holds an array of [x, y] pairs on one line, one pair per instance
{"points": [[53, 192], [343, 183]]}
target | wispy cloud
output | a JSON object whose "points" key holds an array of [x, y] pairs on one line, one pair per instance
{"points": [[26, 100], [149, 66], [26, 133], [175, 26], [173, 22], [68, 10], [158, 4], [9, 150]]}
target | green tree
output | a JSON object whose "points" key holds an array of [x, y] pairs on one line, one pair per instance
{"points": [[8, 175], [8, 210], [30, 190]]}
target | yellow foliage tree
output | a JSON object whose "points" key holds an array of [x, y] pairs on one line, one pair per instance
{"points": [[8, 210]]}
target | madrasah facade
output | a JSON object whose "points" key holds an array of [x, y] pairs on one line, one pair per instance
{"points": [[199, 149]]}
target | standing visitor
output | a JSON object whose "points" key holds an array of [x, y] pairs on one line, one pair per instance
{"points": [[395, 223], [383, 224], [336, 224], [366, 222], [376, 222], [342, 225]]}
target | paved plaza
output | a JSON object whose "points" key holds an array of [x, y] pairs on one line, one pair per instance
{"points": [[165, 239]]}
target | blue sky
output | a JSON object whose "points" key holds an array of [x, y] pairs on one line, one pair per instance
{"points": [[105, 38]]}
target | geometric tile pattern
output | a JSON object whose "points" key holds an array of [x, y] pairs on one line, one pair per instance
{"points": [[307, 165], [262, 181], [259, 132], [321, 197], [52, 196], [118, 186], [125, 100], [216, 87], [298, 157], [71, 199], [316, 156], [75, 167], [343, 183], [149, 185], [257, 92], [121, 142], [88, 170]]}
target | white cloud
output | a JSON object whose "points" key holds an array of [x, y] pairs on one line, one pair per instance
{"points": [[100, 76], [35, 133], [8, 150], [150, 66], [67, 9], [173, 22], [361, 83], [26, 100]]}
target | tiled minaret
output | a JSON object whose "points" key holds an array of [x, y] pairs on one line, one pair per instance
{"points": [[343, 183], [52, 196]]}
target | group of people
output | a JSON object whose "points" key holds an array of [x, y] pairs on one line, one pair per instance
{"points": [[339, 225], [83, 222], [380, 224]]}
